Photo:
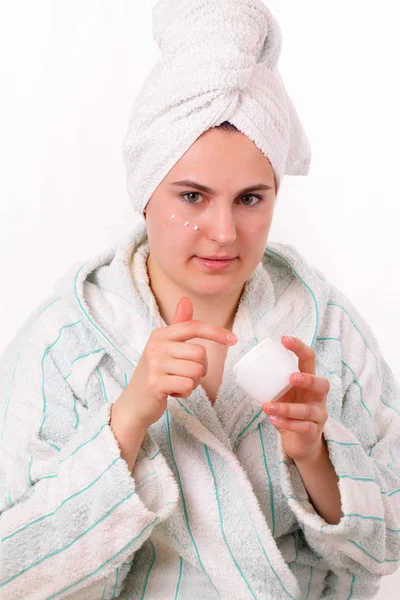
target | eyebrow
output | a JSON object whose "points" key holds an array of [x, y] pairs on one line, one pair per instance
{"points": [[207, 190]]}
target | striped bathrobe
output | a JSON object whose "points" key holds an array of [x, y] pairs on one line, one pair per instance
{"points": [[214, 508]]}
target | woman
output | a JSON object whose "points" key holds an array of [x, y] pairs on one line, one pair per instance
{"points": [[132, 465]]}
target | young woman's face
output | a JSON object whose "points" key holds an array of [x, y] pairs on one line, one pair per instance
{"points": [[186, 225]]}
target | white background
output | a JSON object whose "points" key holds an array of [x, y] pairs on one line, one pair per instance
{"points": [[69, 73]]}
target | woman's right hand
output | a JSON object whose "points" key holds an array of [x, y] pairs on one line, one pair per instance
{"points": [[167, 367]]}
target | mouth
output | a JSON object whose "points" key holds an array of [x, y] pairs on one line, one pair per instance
{"points": [[215, 263], [216, 257]]}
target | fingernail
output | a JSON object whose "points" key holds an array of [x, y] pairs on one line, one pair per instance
{"points": [[289, 339], [231, 337], [298, 378]]}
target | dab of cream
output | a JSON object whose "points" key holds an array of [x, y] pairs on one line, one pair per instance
{"points": [[172, 217], [196, 227], [186, 224]]}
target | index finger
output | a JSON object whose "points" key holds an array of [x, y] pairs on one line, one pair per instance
{"points": [[182, 332], [305, 354]]}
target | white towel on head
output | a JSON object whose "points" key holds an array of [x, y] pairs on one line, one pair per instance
{"points": [[219, 62]]}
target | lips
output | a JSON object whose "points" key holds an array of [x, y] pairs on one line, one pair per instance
{"points": [[216, 264], [217, 257]]}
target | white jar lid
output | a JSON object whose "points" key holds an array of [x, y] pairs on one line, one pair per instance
{"points": [[264, 372]]}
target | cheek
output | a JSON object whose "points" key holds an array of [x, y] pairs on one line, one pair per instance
{"points": [[256, 229], [254, 237], [174, 242]]}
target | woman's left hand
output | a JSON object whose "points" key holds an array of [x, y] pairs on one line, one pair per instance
{"points": [[300, 415]]}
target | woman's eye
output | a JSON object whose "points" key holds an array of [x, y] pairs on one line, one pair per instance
{"points": [[189, 197], [256, 198]]}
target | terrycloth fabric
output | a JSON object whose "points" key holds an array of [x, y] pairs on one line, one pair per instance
{"points": [[219, 62], [214, 508]]}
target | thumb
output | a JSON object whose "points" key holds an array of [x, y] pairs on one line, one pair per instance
{"points": [[184, 311]]}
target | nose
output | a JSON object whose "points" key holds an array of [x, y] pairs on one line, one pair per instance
{"points": [[221, 225]]}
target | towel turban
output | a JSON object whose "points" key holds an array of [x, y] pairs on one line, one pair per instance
{"points": [[219, 62]]}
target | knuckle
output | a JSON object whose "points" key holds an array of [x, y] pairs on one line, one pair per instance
{"points": [[198, 371], [194, 326], [153, 363], [218, 332], [155, 334], [284, 410], [202, 354], [152, 348], [308, 412], [325, 415], [187, 389]]}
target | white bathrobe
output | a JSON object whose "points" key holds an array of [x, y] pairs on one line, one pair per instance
{"points": [[214, 508]]}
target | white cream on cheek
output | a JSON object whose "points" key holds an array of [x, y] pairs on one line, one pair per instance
{"points": [[196, 227]]}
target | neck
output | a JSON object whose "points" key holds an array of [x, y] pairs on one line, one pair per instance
{"points": [[215, 310]]}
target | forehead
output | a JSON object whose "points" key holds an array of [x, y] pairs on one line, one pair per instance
{"points": [[223, 156]]}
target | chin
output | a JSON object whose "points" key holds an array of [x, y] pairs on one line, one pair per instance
{"points": [[214, 286]]}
